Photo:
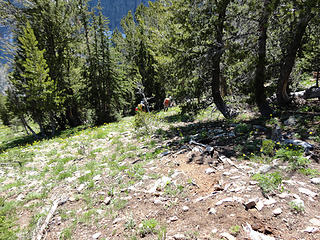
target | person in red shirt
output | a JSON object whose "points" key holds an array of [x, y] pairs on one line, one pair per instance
{"points": [[167, 103]]}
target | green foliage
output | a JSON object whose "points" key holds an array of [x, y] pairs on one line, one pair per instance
{"points": [[7, 225], [148, 227], [298, 208], [310, 172], [235, 230], [268, 182], [294, 157], [268, 147], [242, 128], [144, 122], [5, 115], [31, 83]]}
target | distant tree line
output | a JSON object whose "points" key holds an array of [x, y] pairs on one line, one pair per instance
{"points": [[69, 69]]}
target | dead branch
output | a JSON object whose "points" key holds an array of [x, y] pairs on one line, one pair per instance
{"points": [[41, 231]]}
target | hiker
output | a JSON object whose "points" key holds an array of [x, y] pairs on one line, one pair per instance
{"points": [[167, 103], [141, 107]]}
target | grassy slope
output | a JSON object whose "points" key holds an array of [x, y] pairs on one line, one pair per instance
{"points": [[35, 173]]}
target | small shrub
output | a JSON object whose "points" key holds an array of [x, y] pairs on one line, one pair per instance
{"points": [[235, 230], [147, 227], [143, 122], [268, 182], [296, 207], [268, 147], [242, 128], [294, 157]]}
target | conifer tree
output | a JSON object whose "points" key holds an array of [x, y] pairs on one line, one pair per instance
{"points": [[31, 82]]}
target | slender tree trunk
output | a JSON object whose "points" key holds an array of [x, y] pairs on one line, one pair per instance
{"points": [[216, 60], [290, 57], [25, 124], [260, 75]]}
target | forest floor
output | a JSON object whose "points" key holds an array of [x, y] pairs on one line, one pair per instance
{"points": [[168, 179]]}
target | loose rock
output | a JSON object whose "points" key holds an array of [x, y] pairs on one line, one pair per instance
{"points": [[209, 170], [277, 211], [179, 236], [212, 211], [315, 222], [311, 230], [315, 180], [307, 192], [96, 236], [185, 208], [107, 200], [227, 236]]}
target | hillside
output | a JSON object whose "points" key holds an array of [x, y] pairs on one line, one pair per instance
{"points": [[166, 179]]}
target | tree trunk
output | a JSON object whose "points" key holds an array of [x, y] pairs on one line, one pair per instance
{"points": [[260, 75], [290, 57], [25, 124], [216, 60]]}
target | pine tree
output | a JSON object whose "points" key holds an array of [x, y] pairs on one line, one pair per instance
{"points": [[31, 82]]}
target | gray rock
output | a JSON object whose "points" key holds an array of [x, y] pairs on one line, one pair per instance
{"points": [[210, 170], [315, 180], [179, 236], [185, 208], [212, 211], [259, 205], [227, 236], [160, 184], [290, 121], [230, 199], [307, 192], [264, 168], [307, 146], [253, 235], [163, 154], [277, 211], [107, 200], [284, 195], [81, 187], [96, 178], [315, 222], [311, 230], [173, 219], [96, 235], [269, 201]]}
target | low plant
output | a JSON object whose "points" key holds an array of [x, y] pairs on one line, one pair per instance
{"points": [[296, 207], [130, 224], [148, 227], [143, 122], [235, 230], [268, 147], [242, 128], [310, 172], [7, 224], [294, 157], [268, 182]]}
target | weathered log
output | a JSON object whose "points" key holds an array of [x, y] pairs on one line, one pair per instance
{"points": [[40, 230]]}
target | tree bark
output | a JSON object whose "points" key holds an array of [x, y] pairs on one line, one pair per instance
{"points": [[290, 57], [260, 75], [216, 60]]}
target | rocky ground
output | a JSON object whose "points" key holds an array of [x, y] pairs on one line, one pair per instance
{"points": [[187, 181]]}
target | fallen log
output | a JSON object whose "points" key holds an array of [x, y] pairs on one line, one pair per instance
{"points": [[39, 232]]}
